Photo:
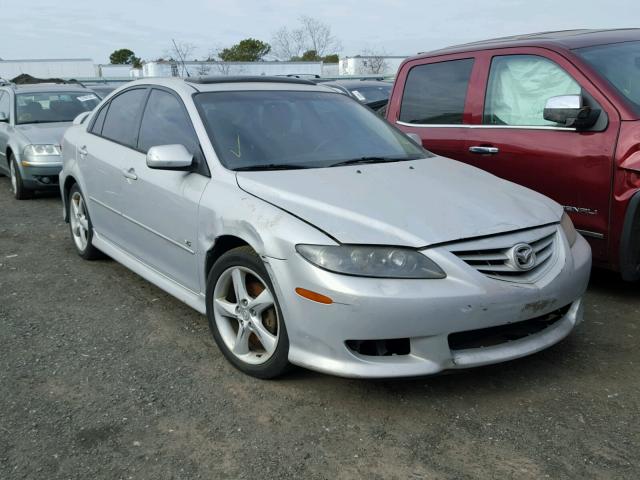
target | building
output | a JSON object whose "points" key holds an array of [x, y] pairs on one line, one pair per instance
{"points": [[107, 70], [48, 68], [370, 65]]}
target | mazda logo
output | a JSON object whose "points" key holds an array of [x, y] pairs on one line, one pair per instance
{"points": [[522, 256]]}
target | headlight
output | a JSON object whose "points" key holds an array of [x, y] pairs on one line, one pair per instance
{"points": [[568, 229], [41, 150], [378, 262]]}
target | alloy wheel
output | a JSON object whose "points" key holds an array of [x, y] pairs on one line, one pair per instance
{"points": [[246, 315], [79, 221], [14, 177]]}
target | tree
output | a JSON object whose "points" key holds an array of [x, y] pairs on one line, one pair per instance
{"points": [[373, 62], [203, 69], [308, 56], [180, 52], [288, 44], [124, 56], [312, 56], [247, 50], [312, 35], [319, 36]]}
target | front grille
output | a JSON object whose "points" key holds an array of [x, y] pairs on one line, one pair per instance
{"points": [[499, 262], [493, 336]]}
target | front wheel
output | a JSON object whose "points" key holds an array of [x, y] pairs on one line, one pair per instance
{"points": [[80, 224], [17, 186], [244, 315]]}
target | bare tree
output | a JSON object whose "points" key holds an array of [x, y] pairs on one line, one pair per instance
{"points": [[319, 37], [287, 44], [179, 52], [373, 62], [313, 35], [220, 67], [223, 68], [203, 69]]}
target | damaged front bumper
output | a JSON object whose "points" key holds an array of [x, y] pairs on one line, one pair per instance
{"points": [[398, 328]]}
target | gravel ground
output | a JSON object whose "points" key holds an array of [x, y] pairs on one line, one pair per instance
{"points": [[104, 376]]}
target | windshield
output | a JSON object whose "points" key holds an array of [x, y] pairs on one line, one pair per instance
{"points": [[289, 129], [619, 63], [371, 94], [46, 107]]}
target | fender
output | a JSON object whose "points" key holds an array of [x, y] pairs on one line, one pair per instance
{"points": [[630, 241]]}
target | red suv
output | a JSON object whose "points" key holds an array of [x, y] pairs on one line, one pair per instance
{"points": [[557, 112]]}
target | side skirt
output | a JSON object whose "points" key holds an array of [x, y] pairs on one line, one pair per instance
{"points": [[194, 300]]}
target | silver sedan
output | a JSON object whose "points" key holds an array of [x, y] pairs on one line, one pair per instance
{"points": [[311, 232]]}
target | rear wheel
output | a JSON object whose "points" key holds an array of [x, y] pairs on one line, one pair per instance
{"points": [[244, 315], [17, 186], [80, 225]]}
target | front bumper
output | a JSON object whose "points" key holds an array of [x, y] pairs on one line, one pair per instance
{"points": [[424, 313], [42, 173]]}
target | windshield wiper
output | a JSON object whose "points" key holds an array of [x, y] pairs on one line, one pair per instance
{"points": [[362, 160], [270, 166]]}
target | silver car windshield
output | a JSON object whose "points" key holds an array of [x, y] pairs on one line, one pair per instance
{"points": [[267, 129], [47, 107]]}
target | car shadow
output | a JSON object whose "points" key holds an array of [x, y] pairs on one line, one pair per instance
{"points": [[609, 283]]}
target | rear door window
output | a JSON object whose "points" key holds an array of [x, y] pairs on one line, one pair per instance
{"points": [[123, 117], [435, 93], [519, 87]]}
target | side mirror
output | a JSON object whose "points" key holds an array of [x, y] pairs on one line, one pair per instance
{"points": [[81, 118], [4, 117], [570, 111], [415, 137], [169, 157]]}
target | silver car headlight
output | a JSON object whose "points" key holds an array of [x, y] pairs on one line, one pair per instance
{"points": [[41, 150], [365, 261], [568, 229]]}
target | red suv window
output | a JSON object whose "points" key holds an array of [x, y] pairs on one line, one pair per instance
{"points": [[435, 93]]}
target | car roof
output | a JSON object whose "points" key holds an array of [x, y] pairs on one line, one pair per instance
{"points": [[563, 39]]}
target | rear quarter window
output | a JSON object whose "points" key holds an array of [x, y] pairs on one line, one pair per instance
{"points": [[435, 93]]}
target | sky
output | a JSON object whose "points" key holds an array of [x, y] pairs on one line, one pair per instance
{"points": [[93, 29]]}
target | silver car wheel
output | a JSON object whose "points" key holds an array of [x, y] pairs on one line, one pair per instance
{"points": [[14, 177], [246, 315], [79, 221]]}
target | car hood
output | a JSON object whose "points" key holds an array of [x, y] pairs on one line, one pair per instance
{"points": [[44, 133], [414, 203]]}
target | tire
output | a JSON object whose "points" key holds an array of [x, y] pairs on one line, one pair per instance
{"points": [[80, 225], [630, 241], [20, 192], [251, 334]]}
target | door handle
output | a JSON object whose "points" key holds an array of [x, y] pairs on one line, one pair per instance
{"points": [[129, 173], [484, 150], [82, 151]]}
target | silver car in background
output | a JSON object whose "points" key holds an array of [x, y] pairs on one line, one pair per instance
{"points": [[33, 119], [312, 232]]}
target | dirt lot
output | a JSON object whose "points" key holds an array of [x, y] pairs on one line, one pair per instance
{"points": [[103, 376]]}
